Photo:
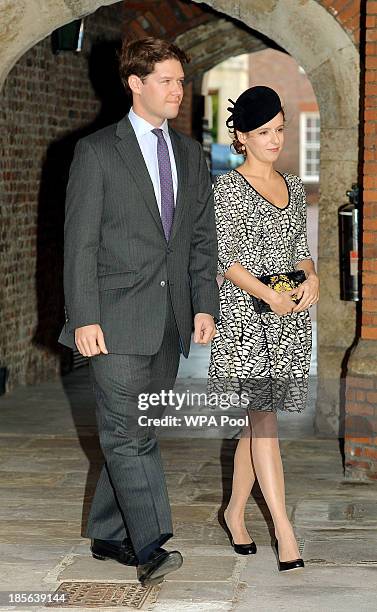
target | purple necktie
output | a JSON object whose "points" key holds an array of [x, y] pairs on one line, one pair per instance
{"points": [[166, 182]]}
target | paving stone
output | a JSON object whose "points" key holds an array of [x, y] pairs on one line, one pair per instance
{"points": [[339, 493], [53, 447], [184, 494], [84, 567], [35, 509], [200, 550], [49, 532], [308, 599], [342, 552], [13, 442], [80, 478], [26, 576], [303, 450], [184, 606], [56, 465], [343, 534], [62, 443], [353, 510], [29, 479], [175, 479], [321, 513], [322, 469], [36, 493], [193, 514], [202, 569], [195, 592], [196, 534], [194, 445], [213, 470], [182, 464], [17, 553], [187, 531], [265, 564]]}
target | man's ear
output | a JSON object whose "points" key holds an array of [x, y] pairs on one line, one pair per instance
{"points": [[135, 83]]}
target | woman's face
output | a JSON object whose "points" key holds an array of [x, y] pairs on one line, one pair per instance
{"points": [[266, 142]]}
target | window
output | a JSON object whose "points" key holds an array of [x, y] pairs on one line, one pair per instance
{"points": [[309, 147]]}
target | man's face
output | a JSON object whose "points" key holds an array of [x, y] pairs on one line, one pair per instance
{"points": [[159, 94]]}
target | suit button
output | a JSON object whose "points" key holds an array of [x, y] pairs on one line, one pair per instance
{"points": [[162, 283]]}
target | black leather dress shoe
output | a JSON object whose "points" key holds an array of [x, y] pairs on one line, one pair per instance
{"points": [[161, 562], [285, 566], [103, 550]]}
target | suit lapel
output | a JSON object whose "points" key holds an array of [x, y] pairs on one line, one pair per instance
{"points": [[131, 154], [181, 160]]}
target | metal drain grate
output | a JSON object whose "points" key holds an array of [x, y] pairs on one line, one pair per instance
{"points": [[103, 595]]}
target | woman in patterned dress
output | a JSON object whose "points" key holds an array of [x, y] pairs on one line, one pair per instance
{"points": [[261, 225]]}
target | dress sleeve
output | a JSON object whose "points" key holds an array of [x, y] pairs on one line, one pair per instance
{"points": [[301, 248], [225, 215]]}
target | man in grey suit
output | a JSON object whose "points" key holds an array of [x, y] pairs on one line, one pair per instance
{"points": [[139, 272]]}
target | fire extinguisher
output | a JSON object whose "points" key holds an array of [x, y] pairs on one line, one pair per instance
{"points": [[348, 221]]}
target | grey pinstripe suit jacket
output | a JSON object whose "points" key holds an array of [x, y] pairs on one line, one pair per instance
{"points": [[118, 267]]}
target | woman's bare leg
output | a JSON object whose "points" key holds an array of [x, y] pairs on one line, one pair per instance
{"points": [[243, 480], [268, 467]]}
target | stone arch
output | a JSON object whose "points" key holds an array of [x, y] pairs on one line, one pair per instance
{"points": [[211, 43], [26, 22]]}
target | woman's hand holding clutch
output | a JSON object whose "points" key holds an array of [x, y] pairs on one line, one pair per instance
{"points": [[282, 303], [307, 293]]}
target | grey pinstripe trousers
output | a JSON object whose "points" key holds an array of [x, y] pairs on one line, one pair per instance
{"points": [[131, 498]]}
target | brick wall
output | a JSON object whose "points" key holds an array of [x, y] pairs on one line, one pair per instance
{"points": [[361, 394], [347, 13], [369, 272], [46, 104], [361, 427], [162, 18]]}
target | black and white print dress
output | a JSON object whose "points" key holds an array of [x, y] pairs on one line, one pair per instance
{"points": [[265, 355]]}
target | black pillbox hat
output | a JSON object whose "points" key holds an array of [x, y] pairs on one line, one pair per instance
{"points": [[253, 108]]}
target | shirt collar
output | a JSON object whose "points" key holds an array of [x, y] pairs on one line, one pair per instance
{"points": [[142, 127]]}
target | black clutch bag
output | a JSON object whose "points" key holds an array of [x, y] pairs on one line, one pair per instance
{"points": [[283, 281]]}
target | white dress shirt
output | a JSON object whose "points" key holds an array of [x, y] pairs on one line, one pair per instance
{"points": [[148, 145]]}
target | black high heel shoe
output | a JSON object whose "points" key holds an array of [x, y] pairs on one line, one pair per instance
{"points": [[285, 566], [240, 549]]}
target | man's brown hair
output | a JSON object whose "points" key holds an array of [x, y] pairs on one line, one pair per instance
{"points": [[140, 56]]}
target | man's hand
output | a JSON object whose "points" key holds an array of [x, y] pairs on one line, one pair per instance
{"points": [[204, 328], [90, 340]]}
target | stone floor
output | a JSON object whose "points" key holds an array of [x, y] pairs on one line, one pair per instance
{"points": [[49, 463]]}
